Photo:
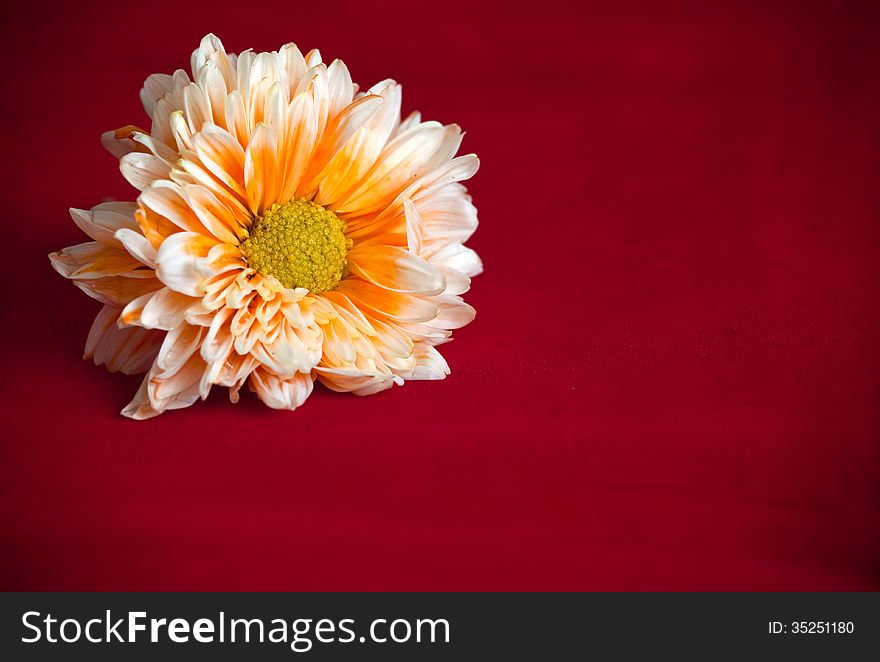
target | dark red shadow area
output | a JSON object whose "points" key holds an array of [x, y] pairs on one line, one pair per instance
{"points": [[672, 380]]}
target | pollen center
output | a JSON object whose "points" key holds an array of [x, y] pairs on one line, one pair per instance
{"points": [[301, 243]]}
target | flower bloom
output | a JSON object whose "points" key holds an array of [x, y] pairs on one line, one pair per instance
{"points": [[288, 228]]}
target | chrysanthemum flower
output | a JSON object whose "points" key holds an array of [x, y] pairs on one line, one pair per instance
{"points": [[288, 228]]}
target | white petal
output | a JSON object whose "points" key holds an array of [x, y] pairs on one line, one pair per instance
{"points": [[119, 142], [414, 235], [117, 290], [179, 345], [197, 106], [155, 87], [454, 313], [102, 221], [137, 246], [140, 408], [211, 51], [430, 364], [294, 63], [181, 264], [281, 393], [359, 382], [127, 350]]}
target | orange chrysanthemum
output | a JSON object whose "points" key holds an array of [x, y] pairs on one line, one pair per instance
{"points": [[288, 229]]}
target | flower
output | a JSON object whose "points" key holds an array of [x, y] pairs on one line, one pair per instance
{"points": [[288, 228]]}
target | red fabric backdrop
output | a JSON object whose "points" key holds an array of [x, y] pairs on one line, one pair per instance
{"points": [[672, 380]]}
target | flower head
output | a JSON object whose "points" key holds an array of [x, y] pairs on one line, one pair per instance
{"points": [[288, 228]]}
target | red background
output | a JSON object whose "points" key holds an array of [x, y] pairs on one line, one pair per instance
{"points": [[672, 380]]}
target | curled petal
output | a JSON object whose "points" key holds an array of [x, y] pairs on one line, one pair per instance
{"points": [[117, 290], [102, 221], [211, 52], [454, 312], [155, 87], [162, 309], [162, 391], [140, 408], [280, 393], [92, 260], [127, 350], [353, 380], [141, 170], [430, 364], [181, 263], [120, 142], [137, 246]]}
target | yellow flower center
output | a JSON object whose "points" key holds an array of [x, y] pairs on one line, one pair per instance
{"points": [[302, 244]]}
